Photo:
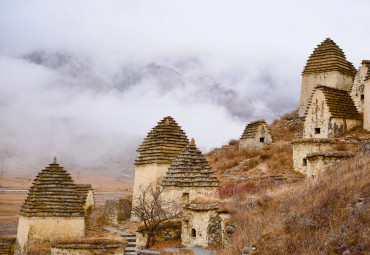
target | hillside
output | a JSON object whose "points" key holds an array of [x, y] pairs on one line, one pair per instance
{"points": [[252, 169], [279, 211], [327, 215]]}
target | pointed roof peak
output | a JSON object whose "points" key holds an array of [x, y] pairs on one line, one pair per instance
{"points": [[162, 143], [328, 57], [328, 39], [192, 141], [55, 160], [53, 193], [190, 169], [167, 120]]}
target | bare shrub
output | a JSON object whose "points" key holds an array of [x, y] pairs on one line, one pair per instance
{"points": [[153, 209], [233, 142]]}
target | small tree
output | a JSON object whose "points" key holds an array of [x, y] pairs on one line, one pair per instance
{"points": [[152, 208]]}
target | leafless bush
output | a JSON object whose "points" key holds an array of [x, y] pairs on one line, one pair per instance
{"points": [[152, 208]]}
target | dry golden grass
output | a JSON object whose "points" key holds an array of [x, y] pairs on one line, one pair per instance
{"points": [[39, 249], [10, 204], [258, 168], [277, 157], [327, 215], [159, 246], [281, 132]]}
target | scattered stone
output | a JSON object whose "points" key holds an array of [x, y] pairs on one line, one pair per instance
{"points": [[230, 229], [247, 250], [365, 146], [167, 238]]}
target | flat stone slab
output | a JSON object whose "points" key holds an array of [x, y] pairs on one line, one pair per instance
{"points": [[196, 250], [148, 252], [122, 233]]}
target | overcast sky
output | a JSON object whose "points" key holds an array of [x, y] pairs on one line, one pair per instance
{"points": [[87, 80]]}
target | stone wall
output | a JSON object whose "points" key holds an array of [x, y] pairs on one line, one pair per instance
{"points": [[116, 211], [47, 228], [7, 245], [333, 79], [185, 194], [302, 148], [168, 231], [85, 248], [203, 225], [144, 176], [338, 127], [255, 142], [319, 162], [367, 105], [90, 200], [358, 86], [318, 116]]}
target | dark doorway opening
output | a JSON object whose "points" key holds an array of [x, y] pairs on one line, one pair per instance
{"points": [[317, 130], [262, 139], [193, 232], [305, 162]]}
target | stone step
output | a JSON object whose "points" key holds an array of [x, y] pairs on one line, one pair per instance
{"points": [[131, 244], [130, 253], [130, 249], [131, 239], [122, 233]]}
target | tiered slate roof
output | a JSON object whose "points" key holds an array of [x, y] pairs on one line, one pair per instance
{"points": [[83, 189], [53, 193], [367, 63], [339, 102], [252, 128], [328, 57], [190, 169], [163, 143]]}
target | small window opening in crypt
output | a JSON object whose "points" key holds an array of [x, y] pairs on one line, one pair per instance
{"points": [[193, 232], [305, 162]]}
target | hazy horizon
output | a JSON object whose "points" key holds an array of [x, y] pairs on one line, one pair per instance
{"points": [[87, 80]]}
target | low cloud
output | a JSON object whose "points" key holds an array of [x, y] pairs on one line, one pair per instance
{"points": [[87, 82]]}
